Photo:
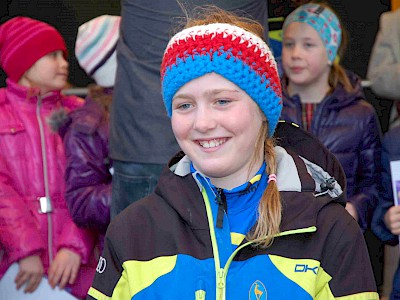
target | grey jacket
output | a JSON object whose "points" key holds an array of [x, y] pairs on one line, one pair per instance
{"points": [[384, 63]]}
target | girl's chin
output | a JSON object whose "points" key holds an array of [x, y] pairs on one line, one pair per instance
{"points": [[212, 171]]}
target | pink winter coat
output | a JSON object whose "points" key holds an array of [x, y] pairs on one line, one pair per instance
{"points": [[24, 231]]}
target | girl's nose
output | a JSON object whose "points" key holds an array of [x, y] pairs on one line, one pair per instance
{"points": [[296, 51], [63, 62], [205, 120]]}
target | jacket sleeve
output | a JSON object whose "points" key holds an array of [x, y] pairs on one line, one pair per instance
{"points": [[109, 269], [367, 177], [346, 260], [88, 180], [384, 62], [19, 234], [77, 239], [390, 151]]}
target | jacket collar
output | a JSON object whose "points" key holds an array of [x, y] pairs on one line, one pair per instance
{"points": [[22, 93], [294, 175], [339, 98]]}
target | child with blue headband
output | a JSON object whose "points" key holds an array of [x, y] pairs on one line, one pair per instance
{"points": [[234, 216], [328, 101]]}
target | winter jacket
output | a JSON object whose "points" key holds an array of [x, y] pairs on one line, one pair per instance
{"points": [[85, 134], [167, 245], [390, 152], [348, 126], [29, 152]]}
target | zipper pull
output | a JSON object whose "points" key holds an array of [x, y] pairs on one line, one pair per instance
{"points": [[45, 205], [222, 207], [200, 295], [220, 280]]}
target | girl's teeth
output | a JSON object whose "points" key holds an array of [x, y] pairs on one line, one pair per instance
{"points": [[211, 144]]}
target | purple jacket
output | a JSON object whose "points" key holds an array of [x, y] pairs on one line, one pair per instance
{"points": [[25, 139], [348, 126], [88, 178]]}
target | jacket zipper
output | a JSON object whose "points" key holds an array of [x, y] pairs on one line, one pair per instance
{"points": [[221, 273], [222, 207], [45, 180]]}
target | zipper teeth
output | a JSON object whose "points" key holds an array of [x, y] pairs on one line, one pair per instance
{"points": [[214, 244], [45, 179]]}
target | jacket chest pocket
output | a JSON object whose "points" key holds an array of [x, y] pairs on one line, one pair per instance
{"points": [[10, 123], [13, 142], [11, 129]]}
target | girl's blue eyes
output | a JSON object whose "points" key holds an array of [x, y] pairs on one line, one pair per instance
{"points": [[220, 102], [184, 106], [223, 101]]}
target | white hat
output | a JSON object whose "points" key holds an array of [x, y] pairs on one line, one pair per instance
{"points": [[95, 48]]}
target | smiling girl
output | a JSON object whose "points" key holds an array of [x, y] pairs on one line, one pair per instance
{"points": [[234, 216]]}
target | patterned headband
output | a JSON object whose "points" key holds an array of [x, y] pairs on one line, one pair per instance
{"points": [[230, 51], [324, 21]]}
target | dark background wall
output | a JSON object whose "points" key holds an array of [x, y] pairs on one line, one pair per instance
{"points": [[64, 15]]}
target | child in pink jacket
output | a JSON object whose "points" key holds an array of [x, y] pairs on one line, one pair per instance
{"points": [[37, 234]]}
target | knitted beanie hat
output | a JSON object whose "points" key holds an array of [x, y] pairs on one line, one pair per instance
{"points": [[323, 20], [95, 48], [230, 51], [23, 41]]}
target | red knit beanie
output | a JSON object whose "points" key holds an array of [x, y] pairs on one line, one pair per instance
{"points": [[23, 41]]}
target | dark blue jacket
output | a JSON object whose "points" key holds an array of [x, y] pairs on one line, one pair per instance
{"points": [[390, 151], [348, 126]]}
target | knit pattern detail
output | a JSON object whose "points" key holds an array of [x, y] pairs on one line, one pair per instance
{"points": [[95, 40], [23, 41], [324, 21], [236, 54]]}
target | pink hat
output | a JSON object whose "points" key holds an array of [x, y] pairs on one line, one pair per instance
{"points": [[23, 41]]}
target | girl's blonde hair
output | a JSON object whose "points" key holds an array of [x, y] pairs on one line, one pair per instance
{"points": [[270, 206], [269, 209]]}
